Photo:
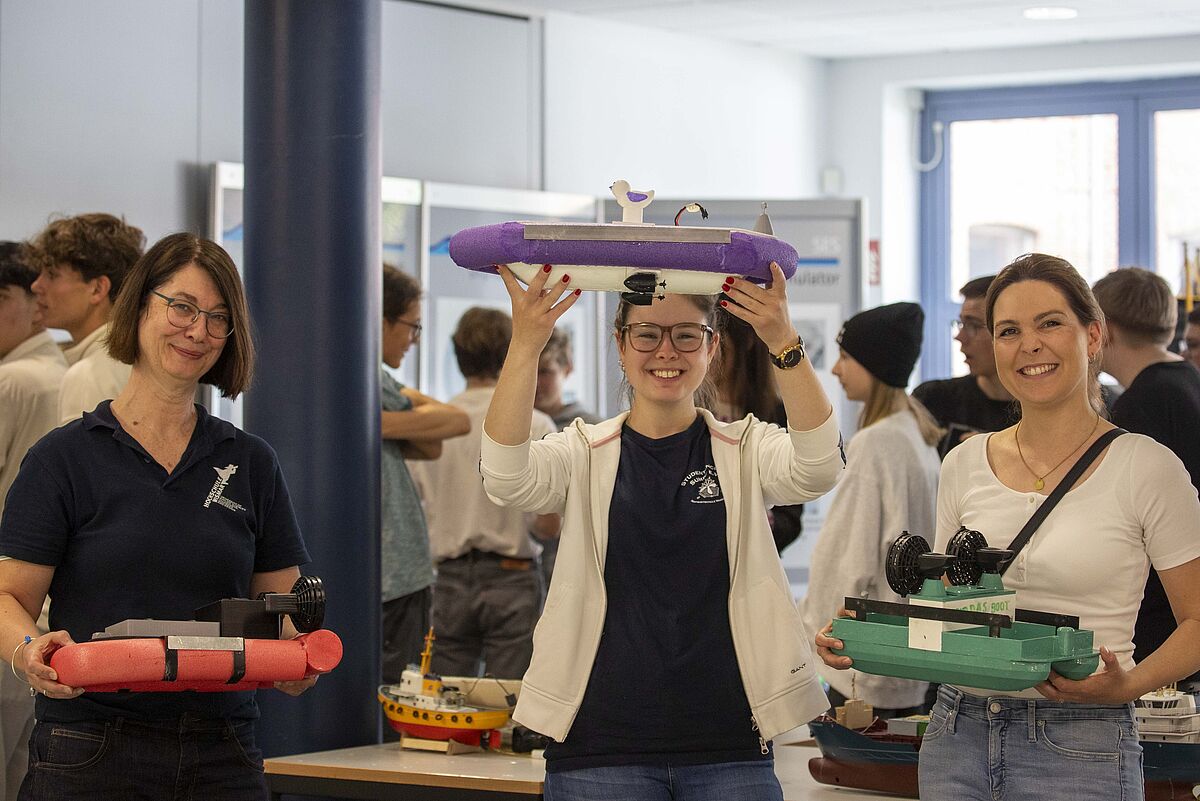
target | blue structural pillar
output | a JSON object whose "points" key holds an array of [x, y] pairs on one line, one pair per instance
{"points": [[312, 266]]}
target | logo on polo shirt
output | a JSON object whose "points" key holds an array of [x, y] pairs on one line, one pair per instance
{"points": [[215, 495], [704, 481]]}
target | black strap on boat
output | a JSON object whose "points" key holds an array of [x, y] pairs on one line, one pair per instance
{"points": [[1047, 618], [239, 667], [170, 664], [1064, 486], [861, 606]]}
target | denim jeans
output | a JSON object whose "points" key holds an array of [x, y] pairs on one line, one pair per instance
{"points": [[726, 781], [998, 748], [187, 759]]}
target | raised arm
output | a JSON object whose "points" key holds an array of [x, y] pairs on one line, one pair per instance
{"points": [[765, 308], [535, 311]]}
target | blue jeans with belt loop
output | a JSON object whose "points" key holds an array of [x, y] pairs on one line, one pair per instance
{"points": [[122, 759], [999, 748]]}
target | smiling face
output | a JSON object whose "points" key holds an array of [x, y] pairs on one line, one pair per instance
{"points": [[666, 376], [180, 354], [855, 379], [1041, 347]]}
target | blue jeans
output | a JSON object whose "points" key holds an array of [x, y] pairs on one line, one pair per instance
{"points": [[122, 759], [725, 781], [992, 749]]}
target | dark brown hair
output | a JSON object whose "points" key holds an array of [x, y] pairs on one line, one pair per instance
{"points": [[233, 370], [481, 341], [1062, 276], [400, 292], [976, 287], [14, 267], [1140, 302], [94, 244], [706, 393], [746, 377], [558, 347]]}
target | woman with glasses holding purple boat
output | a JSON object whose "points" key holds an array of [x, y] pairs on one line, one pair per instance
{"points": [[670, 652]]}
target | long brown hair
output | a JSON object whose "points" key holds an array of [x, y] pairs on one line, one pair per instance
{"points": [[235, 367], [1066, 279], [706, 394], [884, 401], [746, 371]]}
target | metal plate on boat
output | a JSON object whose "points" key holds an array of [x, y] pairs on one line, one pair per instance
{"points": [[598, 232]]}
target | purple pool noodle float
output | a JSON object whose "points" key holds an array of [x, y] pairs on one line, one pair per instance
{"points": [[746, 254]]}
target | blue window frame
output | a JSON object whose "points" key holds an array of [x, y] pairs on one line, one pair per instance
{"points": [[1134, 103]]}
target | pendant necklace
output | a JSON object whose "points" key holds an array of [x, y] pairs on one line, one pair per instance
{"points": [[1039, 481]]}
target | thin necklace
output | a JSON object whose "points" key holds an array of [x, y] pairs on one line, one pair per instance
{"points": [[1040, 482]]}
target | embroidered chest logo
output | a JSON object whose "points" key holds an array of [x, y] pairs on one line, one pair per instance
{"points": [[704, 481], [216, 494]]}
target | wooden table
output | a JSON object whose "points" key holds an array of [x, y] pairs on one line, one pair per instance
{"points": [[387, 772]]}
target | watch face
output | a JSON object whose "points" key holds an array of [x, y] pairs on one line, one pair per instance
{"points": [[792, 358]]}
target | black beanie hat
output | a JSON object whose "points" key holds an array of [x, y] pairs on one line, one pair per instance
{"points": [[886, 340]]}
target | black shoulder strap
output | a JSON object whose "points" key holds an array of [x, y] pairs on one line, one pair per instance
{"points": [[1026, 534]]}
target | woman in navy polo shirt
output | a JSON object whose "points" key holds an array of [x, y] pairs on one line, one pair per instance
{"points": [[670, 652], [148, 508]]}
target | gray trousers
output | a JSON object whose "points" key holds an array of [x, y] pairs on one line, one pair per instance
{"points": [[484, 609], [406, 621]]}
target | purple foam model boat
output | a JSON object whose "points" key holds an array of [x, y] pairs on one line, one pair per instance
{"points": [[636, 258]]}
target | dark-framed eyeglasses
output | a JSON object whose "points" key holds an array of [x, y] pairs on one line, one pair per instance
{"points": [[416, 328], [181, 314], [968, 327], [685, 337]]}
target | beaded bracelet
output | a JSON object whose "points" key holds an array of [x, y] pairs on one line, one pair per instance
{"points": [[12, 663]]}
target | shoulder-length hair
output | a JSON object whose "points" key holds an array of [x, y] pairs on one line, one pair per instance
{"points": [[233, 370]]}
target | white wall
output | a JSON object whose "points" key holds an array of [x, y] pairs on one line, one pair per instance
{"points": [[683, 115], [870, 123]]}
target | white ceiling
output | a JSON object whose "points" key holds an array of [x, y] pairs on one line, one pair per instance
{"points": [[865, 28]]}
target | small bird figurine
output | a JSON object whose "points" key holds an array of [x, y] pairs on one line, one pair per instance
{"points": [[631, 201]]}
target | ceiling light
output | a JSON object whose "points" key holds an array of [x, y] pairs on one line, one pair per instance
{"points": [[1042, 13]]}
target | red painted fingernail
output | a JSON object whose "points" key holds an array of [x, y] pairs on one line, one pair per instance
{"points": [[566, 279], [725, 288], [729, 280], [577, 291], [724, 303], [546, 268]]}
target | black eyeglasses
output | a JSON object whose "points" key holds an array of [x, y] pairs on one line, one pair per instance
{"points": [[416, 328], [685, 337], [181, 314], [969, 327]]}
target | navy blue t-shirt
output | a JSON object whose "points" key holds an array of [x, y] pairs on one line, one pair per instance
{"points": [[127, 540], [665, 687]]}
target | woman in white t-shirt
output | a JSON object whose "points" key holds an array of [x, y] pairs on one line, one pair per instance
{"points": [[890, 486], [1133, 508]]}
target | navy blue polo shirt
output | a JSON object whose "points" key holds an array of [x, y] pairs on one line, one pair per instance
{"points": [[128, 540], [665, 688]]}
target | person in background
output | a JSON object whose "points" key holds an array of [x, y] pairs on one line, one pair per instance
{"points": [[414, 427], [1191, 338], [977, 401], [745, 384], [1161, 400], [1133, 508], [31, 370], [488, 592], [554, 366], [83, 262], [890, 487], [670, 651], [148, 507]]}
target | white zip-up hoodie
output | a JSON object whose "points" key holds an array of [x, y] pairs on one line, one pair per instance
{"points": [[573, 473]]}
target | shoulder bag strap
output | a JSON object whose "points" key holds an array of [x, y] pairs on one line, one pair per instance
{"points": [[1064, 486]]}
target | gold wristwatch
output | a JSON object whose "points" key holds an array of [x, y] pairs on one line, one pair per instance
{"points": [[791, 356]]}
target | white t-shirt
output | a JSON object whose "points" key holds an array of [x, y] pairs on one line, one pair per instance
{"points": [[1091, 555], [93, 376], [890, 486], [459, 513], [30, 376]]}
